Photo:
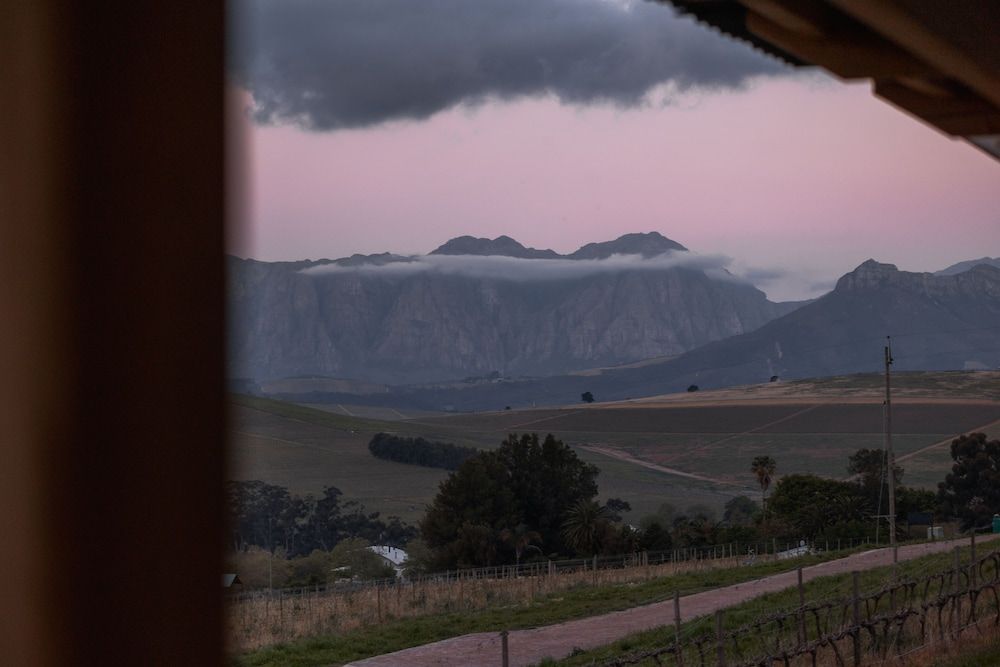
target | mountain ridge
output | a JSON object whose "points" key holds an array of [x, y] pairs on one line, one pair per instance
{"points": [[298, 318]]}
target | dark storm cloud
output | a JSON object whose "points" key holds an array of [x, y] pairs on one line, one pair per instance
{"points": [[329, 64]]}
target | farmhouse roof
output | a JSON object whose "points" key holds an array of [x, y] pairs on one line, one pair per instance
{"points": [[395, 556]]}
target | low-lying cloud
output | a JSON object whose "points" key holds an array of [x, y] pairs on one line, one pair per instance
{"points": [[515, 269], [330, 64]]}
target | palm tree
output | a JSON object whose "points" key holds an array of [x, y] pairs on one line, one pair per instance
{"points": [[763, 467], [585, 525]]}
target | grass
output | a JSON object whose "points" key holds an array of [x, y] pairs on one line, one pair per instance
{"points": [[986, 654], [744, 614], [306, 449], [566, 605]]}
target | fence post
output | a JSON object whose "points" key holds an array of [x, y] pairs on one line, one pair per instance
{"points": [[972, 546], [504, 650], [677, 628], [802, 605], [720, 647], [856, 608], [378, 600]]}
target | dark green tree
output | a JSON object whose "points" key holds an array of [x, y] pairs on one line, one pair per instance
{"points": [[521, 539], [655, 537], [810, 505], [740, 512], [971, 491], [587, 397], [615, 507], [524, 482], [869, 465]]}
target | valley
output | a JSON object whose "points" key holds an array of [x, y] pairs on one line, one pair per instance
{"points": [[683, 449]]}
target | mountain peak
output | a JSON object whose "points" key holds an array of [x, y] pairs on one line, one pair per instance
{"points": [[501, 245], [868, 274], [649, 244], [962, 267]]}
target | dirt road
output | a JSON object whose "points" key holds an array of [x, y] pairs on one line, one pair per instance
{"points": [[628, 458], [528, 647]]}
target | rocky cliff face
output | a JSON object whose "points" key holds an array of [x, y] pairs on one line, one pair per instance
{"points": [[395, 324], [936, 323]]}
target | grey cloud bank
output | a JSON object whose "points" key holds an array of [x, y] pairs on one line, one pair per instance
{"points": [[514, 269], [326, 65]]}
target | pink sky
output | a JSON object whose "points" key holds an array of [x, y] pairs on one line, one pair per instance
{"points": [[803, 174]]}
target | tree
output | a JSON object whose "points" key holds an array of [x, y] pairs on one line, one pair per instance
{"points": [[352, 559], [740, 511], [655, 537], [810, 505], [524, 482], [520, 539], [763, 468], [693, 387], [971, 491], [615, 507], [585, 527], [587, 397]]}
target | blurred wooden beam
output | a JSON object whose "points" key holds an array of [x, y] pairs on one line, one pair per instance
{"points": [[111, 289], [849, 55]]}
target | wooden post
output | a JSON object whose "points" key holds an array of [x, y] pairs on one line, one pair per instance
{"points": [[856, 608], [504, 649], [720, 643], [802, 605], [957, 566], [378, 600], [677, 628]]}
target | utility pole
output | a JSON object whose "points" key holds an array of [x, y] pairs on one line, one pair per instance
{"points": [[890, 458]]}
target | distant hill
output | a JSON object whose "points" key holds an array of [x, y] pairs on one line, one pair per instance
{"points": [[962, 267], [482, 307]]}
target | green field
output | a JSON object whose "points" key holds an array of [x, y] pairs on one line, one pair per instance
{"points": [[807, 430]]}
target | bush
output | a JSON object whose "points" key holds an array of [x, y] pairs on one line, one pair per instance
{"points": [[417, 451]]}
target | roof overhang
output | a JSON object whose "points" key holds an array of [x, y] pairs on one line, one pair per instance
{"points": [[938, 61]]}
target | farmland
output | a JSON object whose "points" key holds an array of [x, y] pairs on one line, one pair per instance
{"points": [[683, 449]]}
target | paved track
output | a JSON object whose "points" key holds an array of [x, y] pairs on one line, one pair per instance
{"points": [[528, 647]]}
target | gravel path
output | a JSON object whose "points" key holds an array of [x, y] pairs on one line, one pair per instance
{"points": [[528, 647]]}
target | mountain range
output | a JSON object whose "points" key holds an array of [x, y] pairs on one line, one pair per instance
{"points": [[476, 307], [481, 324]]}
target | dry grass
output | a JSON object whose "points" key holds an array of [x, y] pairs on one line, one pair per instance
{"points": [[257, 621]]}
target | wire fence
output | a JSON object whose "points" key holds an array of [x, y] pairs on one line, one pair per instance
{"points": [[761, 551], [261, 618], [882, 625]]}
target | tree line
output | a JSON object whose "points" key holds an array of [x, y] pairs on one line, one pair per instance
{"points": [[268, 517], [535, 499], [418, 451]]}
